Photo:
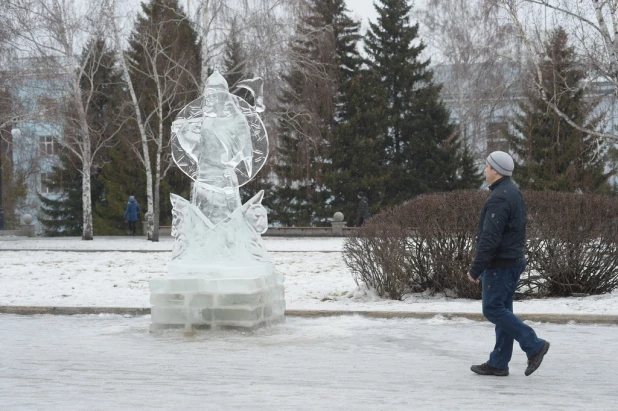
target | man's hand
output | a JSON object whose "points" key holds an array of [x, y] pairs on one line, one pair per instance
{"points": [[472, 280]]}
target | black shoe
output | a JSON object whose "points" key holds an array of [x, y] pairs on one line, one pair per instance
{"points": [[535, 361], [485, 369]]}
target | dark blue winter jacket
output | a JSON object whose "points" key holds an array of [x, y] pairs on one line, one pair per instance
{"points": [[132, 211], [501, 236]]}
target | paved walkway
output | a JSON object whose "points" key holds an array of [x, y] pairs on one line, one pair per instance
{"points": [[353, 363]]}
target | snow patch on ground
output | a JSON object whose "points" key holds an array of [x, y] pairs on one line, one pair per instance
{"points": [[316, 278]]}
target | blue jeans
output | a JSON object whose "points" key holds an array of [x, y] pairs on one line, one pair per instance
{"points": [[499, 286]]}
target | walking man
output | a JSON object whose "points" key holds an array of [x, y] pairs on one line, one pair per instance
{"points": [[498, 263], [131, 214]]}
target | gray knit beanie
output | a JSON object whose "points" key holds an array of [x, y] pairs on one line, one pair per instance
{"points": [[501, 162]]}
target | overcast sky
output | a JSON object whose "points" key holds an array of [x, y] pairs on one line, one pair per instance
{"points": [[364, 10]]}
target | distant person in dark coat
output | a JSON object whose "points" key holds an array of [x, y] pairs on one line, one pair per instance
{"points": [[362, 214], [498, 263], [131, 214]]}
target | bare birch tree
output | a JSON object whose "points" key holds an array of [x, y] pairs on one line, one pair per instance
{"points": [[172, 83], [592, 24], [265, 25], [477, 78], [265, 28], [55, 31]]}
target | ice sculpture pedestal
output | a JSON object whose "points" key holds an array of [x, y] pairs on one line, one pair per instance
{"points": [[246, 297]]}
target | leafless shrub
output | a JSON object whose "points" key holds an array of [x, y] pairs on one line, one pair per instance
{"points": [[572, 244], [424, 244], [378, 257], [428, 243]]}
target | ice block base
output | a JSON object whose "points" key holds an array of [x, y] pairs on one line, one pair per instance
{"points": [[230, 297]]}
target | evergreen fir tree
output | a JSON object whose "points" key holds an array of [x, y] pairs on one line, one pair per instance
{"points": [[62, 214], [122, 176], [470, 175], [421, 153], [314, 106], [236, 63], [357, 147], [332, 15], [550, 154], [237, 68]]}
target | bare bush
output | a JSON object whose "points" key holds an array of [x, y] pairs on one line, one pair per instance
{"points": [[378, 257], [572, 244], [428, 244], [424, 244]]}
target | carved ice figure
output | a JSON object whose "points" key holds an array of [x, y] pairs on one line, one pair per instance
{"points": [[223, 139], [220, 142]]}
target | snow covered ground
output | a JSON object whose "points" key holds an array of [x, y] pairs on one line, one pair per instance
{"points": [[109, 362], [315, 277]]}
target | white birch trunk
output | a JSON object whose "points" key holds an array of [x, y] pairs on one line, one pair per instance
{"points": [[142, 131], [87, 232], [87, 229], [159, 142], [157, 189], [85, 149]]}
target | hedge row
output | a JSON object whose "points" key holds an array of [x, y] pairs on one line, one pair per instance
{"points": [[428, 244]]}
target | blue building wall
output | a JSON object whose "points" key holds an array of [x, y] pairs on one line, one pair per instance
{"points": [[43, 100]]}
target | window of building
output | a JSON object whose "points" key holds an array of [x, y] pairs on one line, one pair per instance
{"points": [[48, 146], [47, 104], [496, 140], [46, 186]]}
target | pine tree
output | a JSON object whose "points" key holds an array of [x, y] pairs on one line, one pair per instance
{"points": [[332, 15], [552, 155], [421, 151], [314, 106], [236, 63], [237, 68], [470, 175], [62, 215], [357, 147], [122, 176]]}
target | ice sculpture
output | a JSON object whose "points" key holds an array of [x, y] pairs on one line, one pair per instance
{"points": [[220, 273]]}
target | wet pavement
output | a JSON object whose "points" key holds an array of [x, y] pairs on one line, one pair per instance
{"points": [[103, 362]]}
